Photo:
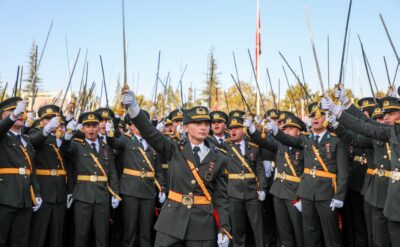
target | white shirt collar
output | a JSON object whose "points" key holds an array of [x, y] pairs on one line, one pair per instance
{"points": [[144, 142], [96, 142], [203, 150], [242, 146], [321, 135], [220, 137]]}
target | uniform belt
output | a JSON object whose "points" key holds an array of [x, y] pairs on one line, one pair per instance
{"points": [[371, 171], [164, 166], [360, 159], [395, 176], [50, 172], [283, 176], [92, 178], [319, 173], [241, 176], [142, 174], [379, 172], [16, 171], [188, 200]]}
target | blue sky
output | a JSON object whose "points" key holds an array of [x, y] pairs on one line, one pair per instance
{"points": [[186, 31]]}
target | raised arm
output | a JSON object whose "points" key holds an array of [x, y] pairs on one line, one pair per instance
{"points": [[268, 143], [353, 139], [288, 140]]}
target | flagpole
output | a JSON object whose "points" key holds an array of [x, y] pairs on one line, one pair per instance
{"points": [[258, 52]]}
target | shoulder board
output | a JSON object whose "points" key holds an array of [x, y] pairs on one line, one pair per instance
{"points": [[79, 140], [253, 145], [305, 133], [221, 150]]}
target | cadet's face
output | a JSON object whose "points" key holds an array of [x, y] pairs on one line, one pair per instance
{"points": [[168, 128], [318, 124], [236, 134], [90, 131], [44, 121], [61, 128], [197, 131], [102, 126], [380, 120], [366, 113], [17, 124], [218, 127], [133, 129], [292, 131], [391, 117], [175, 124]]}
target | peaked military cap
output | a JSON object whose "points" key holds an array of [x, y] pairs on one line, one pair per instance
{"points": [[390, 104], [48, 111], [314, 109], [293, 121], [272, 113], [235, 122], [176, 115], [377, 112], [196, 114], [236, 113], [128, 119], [105, 113], [9, 104], [366, 102], [167, 121], [89, 117], [284, 114], [218, 116]]}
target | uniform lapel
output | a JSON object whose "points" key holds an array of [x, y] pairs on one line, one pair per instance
{"points": [[187, 152]]}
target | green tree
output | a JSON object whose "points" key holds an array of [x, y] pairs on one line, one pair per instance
{"points": [[32, 82], [210, 92]]}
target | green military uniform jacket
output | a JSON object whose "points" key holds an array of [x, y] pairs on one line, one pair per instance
{"points": [[86, 191], [280, 188], [53, 188], [15, 189], [176, 219], [132, 158], [333, 152]]}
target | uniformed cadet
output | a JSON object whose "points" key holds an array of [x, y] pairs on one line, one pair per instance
{"points": [[290, 165], [219, 133], [197, 191], [142, 178], [48, 221], [246, 185], [375, 183], [19, 190], [96, 180], [176, 117], [323, 187], [389, 134], [107, 116]]}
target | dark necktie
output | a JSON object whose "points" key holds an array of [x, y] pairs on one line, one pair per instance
{"points": [[316, 140], [221, 141], [94, 147], [238, 146], [196, 150], [19, 137], [141, 143]]}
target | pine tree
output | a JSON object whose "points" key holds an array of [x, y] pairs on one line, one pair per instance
{"points": [[33, 64], [210, 92]]}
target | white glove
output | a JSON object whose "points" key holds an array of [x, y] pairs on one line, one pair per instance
{"points": [[161, 197], [114, 202], [38, 204], [129, 101], [69, 116], [341, 95], [160, 126], [21, 105], [261, 195], [271, 127], [79, 127], [328, 104], [268, 168], [297, 205], [54, 123], [181, 131], [332, 121], [153, 109], [257, 119], [391, 92], [249, 125], [308, 122], [29, 119], [336, 204], [70, 200], [71, 127], [109, 127], [223, 240]]}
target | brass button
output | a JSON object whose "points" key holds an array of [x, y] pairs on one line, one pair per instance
{"points": [[385, 156], [381, 166], [285, 164], [193, 181], [315, 158]]}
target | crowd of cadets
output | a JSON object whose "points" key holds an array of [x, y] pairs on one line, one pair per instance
{"points": [[200, 178]]}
